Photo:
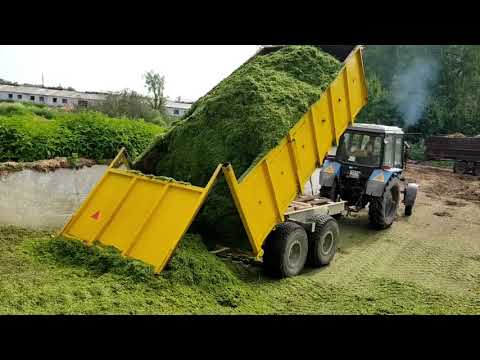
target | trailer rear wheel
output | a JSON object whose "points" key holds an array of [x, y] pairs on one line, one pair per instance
{"points": [[476, 169], [285, 250], [460, 167], [323, 242]]}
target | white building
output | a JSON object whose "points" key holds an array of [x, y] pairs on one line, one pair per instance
{"points": [[39, 95], [67, 98], [177, 107]]}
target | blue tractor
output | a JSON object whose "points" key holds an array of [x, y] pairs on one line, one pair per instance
{"points": [[367, 171]]}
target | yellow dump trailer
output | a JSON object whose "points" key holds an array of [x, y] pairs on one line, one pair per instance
{"points": [[146, 217]]}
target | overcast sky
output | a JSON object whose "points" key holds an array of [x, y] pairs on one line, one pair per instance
{"points": [[190, 71]]}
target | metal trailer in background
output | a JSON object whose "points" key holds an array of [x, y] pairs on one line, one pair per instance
{"points": [[465, 151], [146, 217]]}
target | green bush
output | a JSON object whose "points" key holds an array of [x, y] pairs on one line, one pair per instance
{"points": [[26, 134], [44, 112], [11, 108], [417, 152]]}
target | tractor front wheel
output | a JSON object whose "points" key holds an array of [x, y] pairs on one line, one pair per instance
{"points": [[408, 210]]}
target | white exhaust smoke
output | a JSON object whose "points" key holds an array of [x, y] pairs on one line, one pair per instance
{"points": [[413, 87]]}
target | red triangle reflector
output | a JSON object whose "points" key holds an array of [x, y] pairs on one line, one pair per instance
{"points": [[96, 216]]}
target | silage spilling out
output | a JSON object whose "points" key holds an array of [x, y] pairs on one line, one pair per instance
{"points": [[242, 118]]}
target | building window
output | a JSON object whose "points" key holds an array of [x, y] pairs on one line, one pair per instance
{"points": [[42, 99], [176, 112], [64, 101], [82, 103], [32, 97], [54, 100], [19, 96], [10, 96]]}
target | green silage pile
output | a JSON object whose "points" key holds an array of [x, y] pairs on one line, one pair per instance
{"points": [[242, 118]]}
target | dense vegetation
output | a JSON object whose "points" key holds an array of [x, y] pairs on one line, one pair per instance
{"points": [[31, 132], [130, 104], [430, 89]]}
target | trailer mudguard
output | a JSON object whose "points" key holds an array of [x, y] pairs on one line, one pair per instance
{"points": [[329, 172]]}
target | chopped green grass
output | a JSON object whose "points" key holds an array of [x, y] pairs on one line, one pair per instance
{"points": [[245, 116], [43, 275]]}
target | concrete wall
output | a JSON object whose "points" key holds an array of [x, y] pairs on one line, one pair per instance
{"points": [[45, 200]]}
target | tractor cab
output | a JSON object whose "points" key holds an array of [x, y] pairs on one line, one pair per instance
{"points": [[372, 146], [368, 163]]}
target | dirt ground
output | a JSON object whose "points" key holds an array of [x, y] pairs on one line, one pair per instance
{"points": [[438, 183], [438, 247]]}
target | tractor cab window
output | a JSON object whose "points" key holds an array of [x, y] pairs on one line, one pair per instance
{"points": [[389, 158], [362, 149], [398, 152]]}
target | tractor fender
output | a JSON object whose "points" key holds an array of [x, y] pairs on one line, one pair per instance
{"points": [[410, 194], [377, 181], [329, 172]]}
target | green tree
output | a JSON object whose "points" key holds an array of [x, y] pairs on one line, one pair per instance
{"points": [[130, 104], [449, 100], [379, 109], [155, 85]]}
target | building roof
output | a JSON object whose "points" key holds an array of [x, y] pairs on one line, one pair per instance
{"points": [[377, 128], [50, 92]]}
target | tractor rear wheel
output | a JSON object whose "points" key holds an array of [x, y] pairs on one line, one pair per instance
{"points": [[323, 242], [383, 210], [285, 250]]}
